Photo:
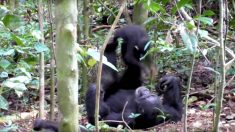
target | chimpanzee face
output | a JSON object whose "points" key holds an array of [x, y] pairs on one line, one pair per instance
{"points": [[148, 106]]}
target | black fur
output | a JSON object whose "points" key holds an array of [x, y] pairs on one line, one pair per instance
{"points": [[50, 126], [133, 46], [141, 101]]}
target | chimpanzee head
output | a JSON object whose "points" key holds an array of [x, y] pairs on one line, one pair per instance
{"points": [[148, 104]]}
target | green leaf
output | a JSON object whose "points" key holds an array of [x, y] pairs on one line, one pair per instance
{"points": [[90, 127], [22, 69], [202, 33], [10, 128], [208, 13], [205, 20], [180, 4], [96, 55], [8, 52], [189, 39], [232, 23], [21, 79], [3, 75], [3, 103], [3, 11], [17, 86], [133, 115], [39, 47], [12, 21], [154, 7], [4, 63], [192, 99], [91, 62], [37, 34], [17, 39]]}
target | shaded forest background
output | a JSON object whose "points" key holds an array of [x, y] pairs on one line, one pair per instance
{"points": [[181, 32]]}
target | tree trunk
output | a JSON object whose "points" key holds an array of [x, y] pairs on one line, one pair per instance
{"points": [[41, 59], [86, 32], [67, 67], [220, 93], [11, 4], [140, 14], [52, 67]]}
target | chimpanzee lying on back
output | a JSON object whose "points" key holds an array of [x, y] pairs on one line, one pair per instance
{"points": [[117, 91], [140, 101]]}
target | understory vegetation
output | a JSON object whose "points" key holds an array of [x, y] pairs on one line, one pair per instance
{"points": [[187, 38]]}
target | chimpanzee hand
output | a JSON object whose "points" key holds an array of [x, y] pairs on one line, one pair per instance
{"points": [[166, 83]]}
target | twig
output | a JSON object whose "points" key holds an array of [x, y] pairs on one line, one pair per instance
{"points": [[107, 8], [230, 80], [101, 27], [112, 121], [100, 65], [123, 116], [52, 66]]}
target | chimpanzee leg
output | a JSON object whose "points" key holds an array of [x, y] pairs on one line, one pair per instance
{"points": [[50, 126], [90, 104]]}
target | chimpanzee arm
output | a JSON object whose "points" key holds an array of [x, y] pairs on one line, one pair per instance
{"points": [[90, 104], [170, 87], [129, 57]]}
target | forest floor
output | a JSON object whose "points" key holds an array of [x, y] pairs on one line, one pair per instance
{"points": [[200, 114]]}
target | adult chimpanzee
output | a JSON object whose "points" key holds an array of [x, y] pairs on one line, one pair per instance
{"points": [[140, 101], [109, 76], [134, 41]]}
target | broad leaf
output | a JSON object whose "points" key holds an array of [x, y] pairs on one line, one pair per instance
{"points": [[39, 47], [154, 7], [3, 103], [189, 39], [8, 52], [96, 55], [4, 63], [17, 86], [203, 33], [205, 20], [133, 116], [91, 62], [3, 75], [17, 39], [12, 21], [37, 34], [180, 4], [3, 11], [21, 79], [208, 13]]}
